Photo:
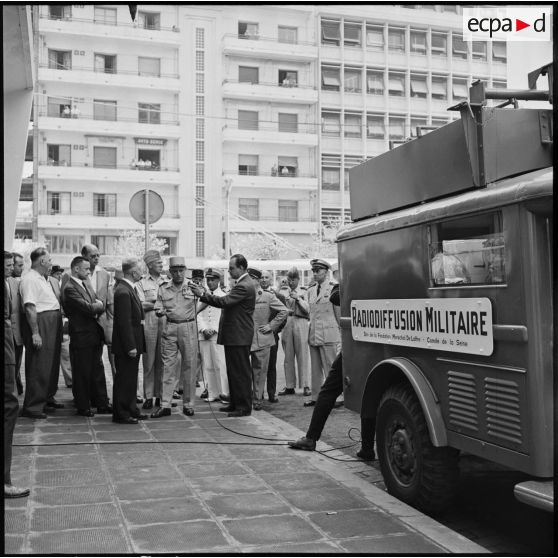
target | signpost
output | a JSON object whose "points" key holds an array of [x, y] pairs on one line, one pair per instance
{"points": [[146, 207]]}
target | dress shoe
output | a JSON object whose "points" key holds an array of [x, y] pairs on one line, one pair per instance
{"points": [[303, 443], [307, 392], [227, 409], [173, 404], [161, 412], [148, 404], [157, 402], [287, 391], [105, 410], [204, 394], [224, 397], [69, 386], [142, 417], [257, 406], [30, 415], [181, 391], [54, 405], [139, 399], [129, 420], [197, 383], [213, 400], [11, 491], [85, 413], [272, 399], [310, 403], [366, 455], [188, 411], [176, 395], [239, 414]]}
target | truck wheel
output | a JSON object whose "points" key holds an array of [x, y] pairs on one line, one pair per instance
{"points": [[414, 470]]}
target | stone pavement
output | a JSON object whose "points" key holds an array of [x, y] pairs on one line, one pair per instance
{"points": [[193, 485]]}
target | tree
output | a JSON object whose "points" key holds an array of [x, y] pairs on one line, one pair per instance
{"points": [[324, 243], [131, 244], [257, 247]]}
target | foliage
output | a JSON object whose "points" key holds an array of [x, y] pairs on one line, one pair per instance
{"points": [[257, 247], [130, 244]]}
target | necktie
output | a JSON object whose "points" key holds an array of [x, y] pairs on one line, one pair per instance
{"points": [[319, 287]]}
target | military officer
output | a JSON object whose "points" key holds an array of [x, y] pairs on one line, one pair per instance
{"points": [[176, 301], [267, 304], [147, 289], [295, 336], [197, 278], [323, 334]]}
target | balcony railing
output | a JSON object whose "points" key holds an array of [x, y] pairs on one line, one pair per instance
{"points": [[252, 37], [271, 172], [55, 114], [300, 128], [154, 167], [291, 85], [279, 219], [113, 71], [92, 213], [174, 28]]}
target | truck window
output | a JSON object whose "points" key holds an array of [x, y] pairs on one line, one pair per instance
{"points": [[468, 251]]}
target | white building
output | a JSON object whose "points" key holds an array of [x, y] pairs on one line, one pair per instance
{"points": [[256, 108]]}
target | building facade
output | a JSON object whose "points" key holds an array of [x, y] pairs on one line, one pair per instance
{"points": [[243, 118]]}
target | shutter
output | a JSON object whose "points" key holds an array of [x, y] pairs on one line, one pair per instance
{"points": [[104, 157], [149, 66]]}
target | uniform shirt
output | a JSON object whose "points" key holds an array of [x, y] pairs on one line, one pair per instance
{"points": [[267, 304], [148, 287], [298, 308], [35, 289], [209, 317], [178, 301], [324, 327]]}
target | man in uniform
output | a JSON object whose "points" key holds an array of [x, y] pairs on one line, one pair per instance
{"points": [[265, 325], [323, 335], [176, 301], [147, 289], [295, 336], [197, 278]]}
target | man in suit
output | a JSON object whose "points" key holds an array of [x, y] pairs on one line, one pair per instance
{"points": [[16, 316], [86, 335], [128, 343], [236, 331]]}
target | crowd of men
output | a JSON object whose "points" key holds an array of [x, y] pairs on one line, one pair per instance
{"points": [[182, 330]]}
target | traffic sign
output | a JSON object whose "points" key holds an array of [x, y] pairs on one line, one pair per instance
{"points": [[155, 205]]}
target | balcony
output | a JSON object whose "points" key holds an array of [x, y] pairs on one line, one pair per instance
{"points": [[273, 180], [269, 92], [24, 215], [302, 225], [307, 135], [88, 75], [268, 48]]}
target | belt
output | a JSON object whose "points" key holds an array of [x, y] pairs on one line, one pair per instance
{"points": [[303, 317], [179, 321]]}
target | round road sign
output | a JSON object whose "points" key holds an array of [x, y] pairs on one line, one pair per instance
{"points": [[137, 206]]}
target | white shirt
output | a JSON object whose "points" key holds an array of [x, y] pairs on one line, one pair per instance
{"points": [[35, 289], [79, 282], [93, 277]]}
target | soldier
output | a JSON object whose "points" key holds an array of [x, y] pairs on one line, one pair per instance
{"points": [[197, 278], [323, 335], [295, 336], [147, 290], [264, 327], [176, 301]]}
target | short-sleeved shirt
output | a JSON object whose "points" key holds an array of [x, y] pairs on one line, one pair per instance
{"points": [[35, 289], [178, 301], [147, 287]]}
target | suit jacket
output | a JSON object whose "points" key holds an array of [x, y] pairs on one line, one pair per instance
{"points": [[16, 314], [236, 326], [269, 311], [84, 329], [9, 351], [127, 333], [105, 293]]}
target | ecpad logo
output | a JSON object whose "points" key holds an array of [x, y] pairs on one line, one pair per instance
{"points": [[507, 23]]}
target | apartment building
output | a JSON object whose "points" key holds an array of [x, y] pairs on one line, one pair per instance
{"points": [[244, 118]]}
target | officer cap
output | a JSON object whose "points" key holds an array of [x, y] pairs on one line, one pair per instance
{"points": [[255, 273], [176, 261], [320, 264], [197, 273], [151, 256], [56, 268], [293, 273], [213, 273]]}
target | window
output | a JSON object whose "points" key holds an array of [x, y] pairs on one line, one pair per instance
{"points": [[352, 34], [333, 215], [200, 244], [499, 51], [287, 34], [330, 78], [331, 32], [375, 127], [105, 63], [200, 218], [418, 86], [200, 151], [59, 59], [58, 11], [468, 251], [346, 178], [396, 128], [200, 37], [331, 178], [288, 122], [287, 166], [106, 244], [59, 155], [58, 203], [480, 50], [248, 165], [353, 123], [149, 20], [64, 243], [247, 74], [499, 84], [375, 82], [248, 30], [104, 205], [151, 158], [149, 66], [418, 42], [149, 113], [247, 120], [459, 46], [331, 123], [200, 194], [200, 85], [288, 78], [104, 110], [200, 105], [200, 128], [437, 122], [200, 61], [396, 40], [200, 173], [439, 44], [418, 122], [288, 210], [106, 16], [104, 157], [439, 87], [396, 84], [56, 106], [249, 208], [353, 80], [459, 89], [375, 37]]}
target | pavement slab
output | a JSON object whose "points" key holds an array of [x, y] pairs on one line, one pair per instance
{"points": [[149, 490], [325, 499], [111, 540], [70, 477], [15, 520], [163, 511], [58, 518], [391, 544], [13, 544], [248, 505], [198, 469], [54, 496]]}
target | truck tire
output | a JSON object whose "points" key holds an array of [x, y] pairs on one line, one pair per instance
{"points": [[414, 471]]}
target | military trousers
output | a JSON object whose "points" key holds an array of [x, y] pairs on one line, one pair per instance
{"points": [[152, 359], [321, 360], [260, 362], [213, 362], [294, 339], [179, 341]]}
